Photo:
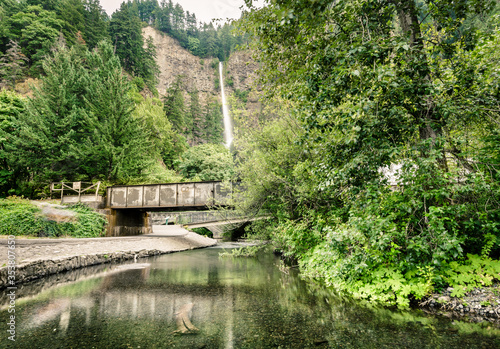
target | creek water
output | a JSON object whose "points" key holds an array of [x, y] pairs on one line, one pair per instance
{"points": [[197, 299], [228, 126]]}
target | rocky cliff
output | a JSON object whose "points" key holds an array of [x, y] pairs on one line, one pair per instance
{"points": [[240, 72], [174, 60]]}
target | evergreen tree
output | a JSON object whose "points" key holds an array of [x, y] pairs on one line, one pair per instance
{"points": [[148, 10], [195, 116], [12, 65], [126, 35], [213, 125], [174, 105], [208, 41], [4, 29], [191, 24], [79, 123], [47, 128], [117, 145], [70, 12], [163, 17], [36, 30], [96, 23], [149, 70], [48, 5], [178, 18], [11, 106]]}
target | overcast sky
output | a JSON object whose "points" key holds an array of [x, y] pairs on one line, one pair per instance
{"points": [[204, 10]]}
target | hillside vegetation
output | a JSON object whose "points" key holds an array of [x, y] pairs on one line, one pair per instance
{"points": [[94, 111], [360, 87]]}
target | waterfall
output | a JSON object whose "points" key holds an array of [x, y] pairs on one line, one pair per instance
{"points": [[228, 128]]}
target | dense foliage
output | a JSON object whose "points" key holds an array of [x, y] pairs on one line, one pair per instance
{"points": [[35, 26], [79, 122], [136, 56], [85, 121], [201, 39], [207, 162], [66, 129], [21, 217], [91, 113], [386, 170], [198, 122]]}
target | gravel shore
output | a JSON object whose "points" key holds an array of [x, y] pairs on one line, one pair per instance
{"points": [[480, 304]]}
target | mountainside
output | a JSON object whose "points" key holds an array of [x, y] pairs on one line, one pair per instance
{"points": [[174, 60], [240, 71], [198, 73]]}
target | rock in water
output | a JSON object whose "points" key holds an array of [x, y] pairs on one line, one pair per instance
{"points": [[182, 319]]}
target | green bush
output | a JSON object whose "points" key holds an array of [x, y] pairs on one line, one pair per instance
{"points": [[242, 95], [139, 82], [203, 231], [207, 162], [22, 218]]}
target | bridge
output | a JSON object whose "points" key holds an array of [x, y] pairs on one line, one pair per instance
{"points": [[129, 208], [171, 195]]}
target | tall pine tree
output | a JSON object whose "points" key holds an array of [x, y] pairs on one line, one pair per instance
{"points": [[174, 105]]}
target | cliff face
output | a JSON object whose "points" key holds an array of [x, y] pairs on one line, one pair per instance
{"points": [[174, 60], [201, 73], [240, 68]]}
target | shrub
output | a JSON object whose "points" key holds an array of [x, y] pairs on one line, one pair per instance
{"points": [[208, 162]]}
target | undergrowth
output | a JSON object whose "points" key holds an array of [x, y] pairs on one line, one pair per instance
{"points": [[247, 251], [20, 217], [203, 231]]}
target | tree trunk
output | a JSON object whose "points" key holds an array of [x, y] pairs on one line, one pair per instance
{"points": [[429, 125]]}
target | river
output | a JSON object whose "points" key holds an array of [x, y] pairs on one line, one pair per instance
{"points": [[196, 299]]}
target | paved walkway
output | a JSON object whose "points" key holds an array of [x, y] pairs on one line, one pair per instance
{"points": [[165, 239]]}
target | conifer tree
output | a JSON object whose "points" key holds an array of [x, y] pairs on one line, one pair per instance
{"points": [[79, 123], [125, 31], [117, 146], [11, 106], [12, 65], [195, 116], [174, 105], [96, 23], [36, 30], [213, 126], [49, 125]]}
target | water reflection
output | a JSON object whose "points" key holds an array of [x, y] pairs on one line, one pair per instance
{"points": [[197, 300]]}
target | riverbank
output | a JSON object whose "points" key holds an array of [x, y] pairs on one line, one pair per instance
{"points": [[37, 258], [480, 304]]}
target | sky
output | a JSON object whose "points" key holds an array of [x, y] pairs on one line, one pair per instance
{"points": [[204, 10]]}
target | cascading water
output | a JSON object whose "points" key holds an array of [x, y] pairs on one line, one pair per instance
{"points": [[228, 127]]}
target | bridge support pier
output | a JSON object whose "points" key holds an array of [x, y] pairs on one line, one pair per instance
{"points": [[127, 222]]}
